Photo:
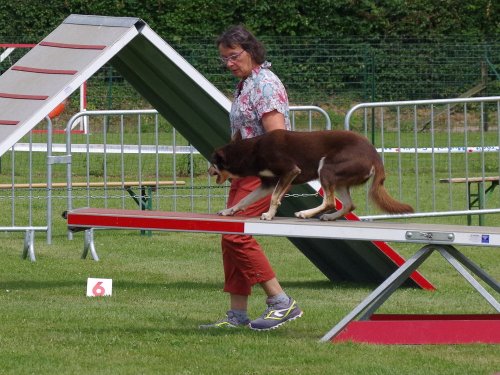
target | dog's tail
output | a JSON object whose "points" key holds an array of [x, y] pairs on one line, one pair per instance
{"points": [[381, 197]]}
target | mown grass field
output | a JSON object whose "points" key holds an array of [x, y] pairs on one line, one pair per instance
{"points": [[165, 285]]}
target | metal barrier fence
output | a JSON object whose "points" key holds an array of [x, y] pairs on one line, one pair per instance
{"points": [[123, 159], [22, 205], [442, 156]]}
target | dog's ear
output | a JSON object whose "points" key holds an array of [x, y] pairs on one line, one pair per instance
{"points": [[236, 137], [221, 156], [218, 157]]}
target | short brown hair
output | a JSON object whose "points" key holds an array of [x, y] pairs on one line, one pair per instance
{"points": [[239, 35]]}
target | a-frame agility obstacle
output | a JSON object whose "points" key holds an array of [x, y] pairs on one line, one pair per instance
{"points": [[82, 44]]}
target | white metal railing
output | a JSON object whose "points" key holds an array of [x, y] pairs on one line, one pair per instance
{"points": [[310, 109], [440, 140], [431, 103], [21, 215]]}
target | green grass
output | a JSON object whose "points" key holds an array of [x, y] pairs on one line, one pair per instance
{"points": [[165, 285]]}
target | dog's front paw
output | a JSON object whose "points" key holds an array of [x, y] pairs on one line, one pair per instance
{"points": [[266, 216], [227, 212]]}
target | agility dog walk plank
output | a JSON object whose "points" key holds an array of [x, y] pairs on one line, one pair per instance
{"points": [[372, 328], [82, 44], [284, 227]]}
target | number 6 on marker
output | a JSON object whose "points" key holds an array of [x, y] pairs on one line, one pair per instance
{"points": [[98, 290], [99, 287]]}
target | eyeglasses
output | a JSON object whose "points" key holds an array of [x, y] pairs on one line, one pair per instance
{"points": [[232, 58]]}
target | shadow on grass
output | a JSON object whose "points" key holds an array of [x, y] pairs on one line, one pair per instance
{"points": [[326, 284], [184, 285], [187, 330], [32, 284], [51, 284]]}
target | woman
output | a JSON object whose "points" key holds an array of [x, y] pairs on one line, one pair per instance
{"points": [[260, 105]]}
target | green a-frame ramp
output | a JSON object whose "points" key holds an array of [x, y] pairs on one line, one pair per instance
{"points": [[82, 44]]}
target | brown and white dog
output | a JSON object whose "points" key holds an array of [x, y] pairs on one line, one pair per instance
{"points": [[339, 159]]}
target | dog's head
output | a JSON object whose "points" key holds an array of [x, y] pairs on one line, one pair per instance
{"points": [[218, 167]]}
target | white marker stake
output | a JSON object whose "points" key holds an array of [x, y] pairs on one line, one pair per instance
{"points": [[99, 287]]}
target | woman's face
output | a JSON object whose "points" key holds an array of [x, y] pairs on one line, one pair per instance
{"points": [[237, 60]]}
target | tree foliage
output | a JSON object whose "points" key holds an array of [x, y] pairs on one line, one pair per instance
{"points": [[339, 19], [365, 49]]}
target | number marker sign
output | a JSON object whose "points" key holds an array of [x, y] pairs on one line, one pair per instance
{"points": [[99, 287]]}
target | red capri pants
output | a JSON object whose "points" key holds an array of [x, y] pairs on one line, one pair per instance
{"points": [[245, 263]]}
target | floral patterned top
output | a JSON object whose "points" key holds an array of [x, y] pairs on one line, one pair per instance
{"points": [[259, 93]]}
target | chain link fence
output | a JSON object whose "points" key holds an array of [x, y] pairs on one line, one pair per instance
{"points": [[332, 74]]}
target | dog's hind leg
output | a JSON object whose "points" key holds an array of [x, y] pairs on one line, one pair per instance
{"points": [[324, 206], [344, 196], [327, 204]]}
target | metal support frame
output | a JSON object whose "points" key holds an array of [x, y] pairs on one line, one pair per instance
{"points": [[371, 303], [29, 239], [29, 245], [88, 244]]}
